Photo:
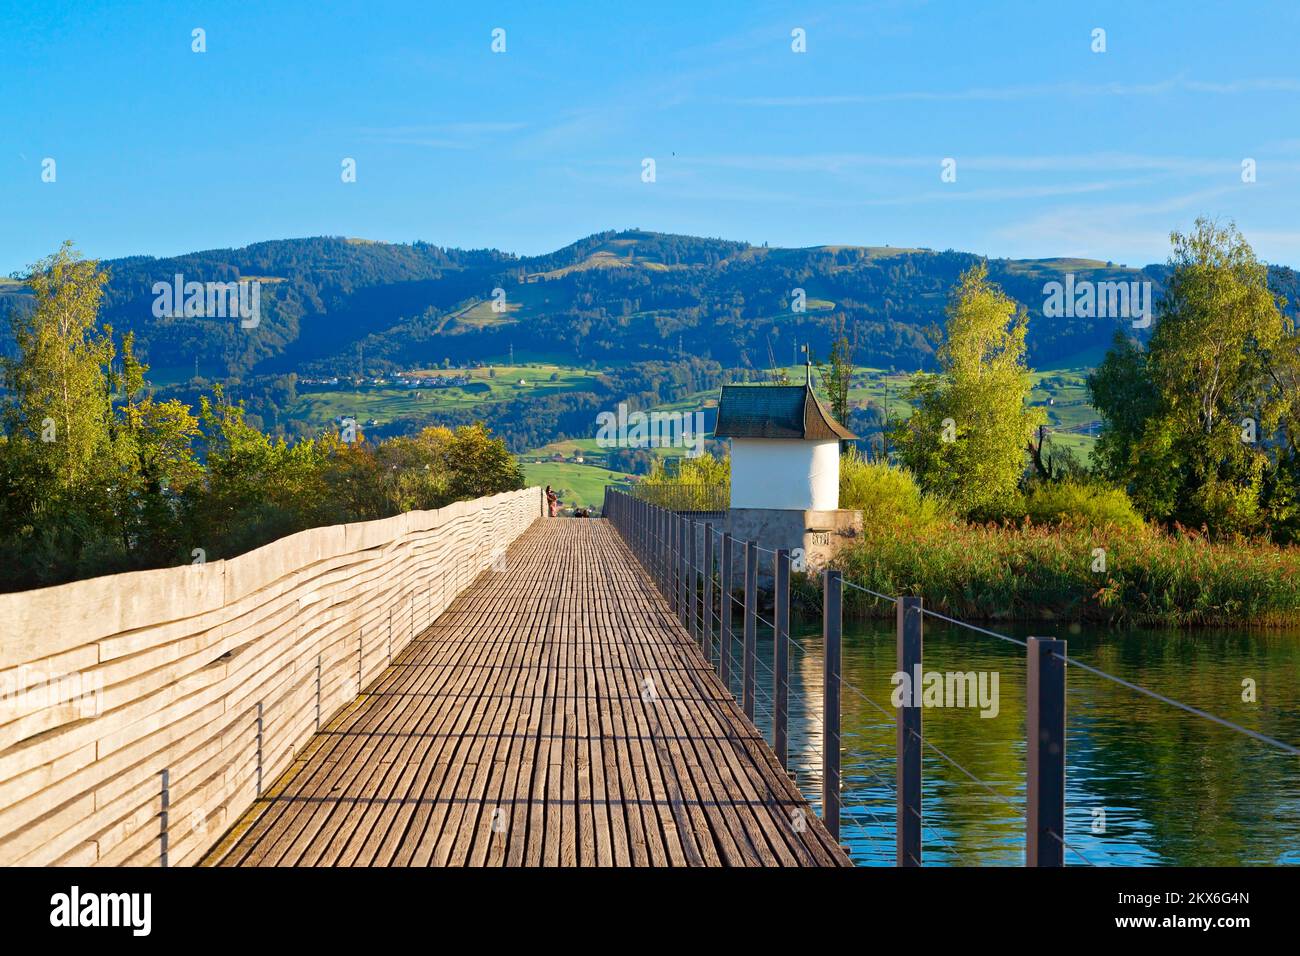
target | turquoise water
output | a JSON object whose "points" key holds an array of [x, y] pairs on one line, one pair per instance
{"points": [[1146, 783]]}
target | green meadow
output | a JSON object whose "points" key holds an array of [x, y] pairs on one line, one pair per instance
{"points": [[1069, 414], [1061, 392], [385, 403], [580, 485]]}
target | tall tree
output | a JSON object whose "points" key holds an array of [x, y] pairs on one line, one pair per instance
{"points": [[1201, 426], [837, 376], [972, 422], [54, 490], [153, 463], [57, 405]]}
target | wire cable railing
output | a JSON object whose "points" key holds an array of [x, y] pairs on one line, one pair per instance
{"points": [[758, 701], [690, 572]]}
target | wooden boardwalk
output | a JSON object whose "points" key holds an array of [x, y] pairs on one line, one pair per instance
{"points": [[556, 714]]}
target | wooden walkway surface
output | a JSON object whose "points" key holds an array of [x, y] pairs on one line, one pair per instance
{"points": [[555, 714]]}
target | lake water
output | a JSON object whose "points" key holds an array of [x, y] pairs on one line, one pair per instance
{"points": [[1147, 784]]}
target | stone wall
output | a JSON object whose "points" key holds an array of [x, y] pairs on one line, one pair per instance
{"points": [[821, 534]]}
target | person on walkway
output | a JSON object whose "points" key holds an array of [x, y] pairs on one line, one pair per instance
{"points": [[552, 502]]}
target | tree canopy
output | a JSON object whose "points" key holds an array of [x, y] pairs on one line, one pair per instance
{"points": [[97, 475], [966, 438], [1201, 425]]}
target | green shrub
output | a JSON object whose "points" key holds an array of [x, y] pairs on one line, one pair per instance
{"points": [[1036, 572], [887, 495], [1077, 504], [701, 470]]}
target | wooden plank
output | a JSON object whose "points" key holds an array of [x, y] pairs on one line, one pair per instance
{"points": [[558, 713]]}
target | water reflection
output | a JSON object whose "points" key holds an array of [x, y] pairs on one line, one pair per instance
{"points": [[1146, 783]]}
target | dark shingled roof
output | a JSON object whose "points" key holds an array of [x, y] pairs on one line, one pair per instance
{"points": [[775, 411]]}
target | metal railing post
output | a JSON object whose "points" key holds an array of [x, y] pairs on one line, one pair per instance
{"points": [[672, 561], [661, 549], [670, 571], [1045, 752], [683, 612], [781, 659], [164, 818], [724, 630], [652, 542], [679, 549], [751, 627], [692, 579], [650, 556], [832, 596], [706, 610], [908, 775], [668, 554], [259, 748]]}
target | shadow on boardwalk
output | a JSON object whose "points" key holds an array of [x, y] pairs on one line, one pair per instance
{"points": [[555, 714]]}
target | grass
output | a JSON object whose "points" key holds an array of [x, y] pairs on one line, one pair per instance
{"points": [[481, 315], [1066, 264], [568, 446], [523, 301], [1085, 360], [693, 402], [589, 448], [608, 258], [581, 485], [584, 484], [1086, 555], [321, 406], [1031, 572], [1068, 416]]}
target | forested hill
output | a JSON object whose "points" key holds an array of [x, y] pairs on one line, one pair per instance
{"points": [[318, 297], [330, 303]]}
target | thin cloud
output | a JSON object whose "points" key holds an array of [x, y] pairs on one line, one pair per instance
{"points": [[469, 135], [1006, 193], [1174, 85], [1097, 231], [839, 163]]}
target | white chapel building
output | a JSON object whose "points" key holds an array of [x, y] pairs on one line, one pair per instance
{"points": [[785, 469]]}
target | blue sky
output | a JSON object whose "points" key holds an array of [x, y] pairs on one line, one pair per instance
{"points": [[1060, 151]]}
